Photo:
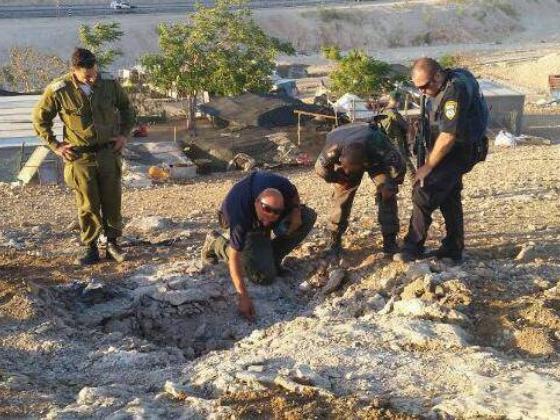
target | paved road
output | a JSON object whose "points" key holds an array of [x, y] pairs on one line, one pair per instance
{"points": [[162, 7]]}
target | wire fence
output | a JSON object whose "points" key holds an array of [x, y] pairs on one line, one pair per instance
{"points": [[9, 164]]}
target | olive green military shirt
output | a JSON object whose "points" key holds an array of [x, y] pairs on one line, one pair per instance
{"points": [[88, 120], [394, 125]]}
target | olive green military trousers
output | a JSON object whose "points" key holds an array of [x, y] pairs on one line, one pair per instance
{"points": [[96, 181], [342, 199]]}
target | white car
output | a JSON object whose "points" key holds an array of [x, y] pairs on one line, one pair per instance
{"points": [[120, 4]]}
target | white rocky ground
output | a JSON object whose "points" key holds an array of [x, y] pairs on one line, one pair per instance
{"points": [[160, 336]]}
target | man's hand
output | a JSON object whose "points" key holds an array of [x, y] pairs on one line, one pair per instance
{"points": [[64, 150], [421, 173], [246, 307], [120, 142]]}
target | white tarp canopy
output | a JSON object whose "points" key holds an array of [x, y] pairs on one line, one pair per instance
{"points": [[354, 107]]}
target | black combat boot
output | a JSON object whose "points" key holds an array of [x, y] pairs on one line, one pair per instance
{"points": [[334, 246], [390, 246], [442, 253], [114, 252], [89, 256]]}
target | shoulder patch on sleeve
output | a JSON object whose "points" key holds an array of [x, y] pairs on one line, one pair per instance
{"points": [[106, 76], [58, 85], [450, 109]]}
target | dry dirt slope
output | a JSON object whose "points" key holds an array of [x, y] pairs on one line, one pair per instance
{"points": [[380, 28], [417, 339]]}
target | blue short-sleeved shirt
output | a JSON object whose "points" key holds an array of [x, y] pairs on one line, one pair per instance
{"points": [[238, 209]]}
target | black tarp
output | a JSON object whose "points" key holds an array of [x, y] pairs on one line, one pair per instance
{"points": [[253, 110], [8, 93]]}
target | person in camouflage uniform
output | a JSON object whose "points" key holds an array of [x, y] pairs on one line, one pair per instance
{"points": [[396, 128], [350, 151], [97, 118]]}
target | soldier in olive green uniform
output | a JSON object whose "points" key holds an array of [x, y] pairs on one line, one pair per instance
{"points": [[97, 118], [350, 151], [396, 128]]}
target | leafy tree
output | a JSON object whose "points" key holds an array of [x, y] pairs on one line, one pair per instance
{"points": [[449, 60], [332, 53], [96, 39], [219, 49], [358, 73], [29, 70]]}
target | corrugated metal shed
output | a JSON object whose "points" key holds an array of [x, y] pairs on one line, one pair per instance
{"points": [[16, 131], [15, 121]]}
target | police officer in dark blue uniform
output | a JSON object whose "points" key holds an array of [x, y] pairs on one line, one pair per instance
{"points": [[265, 222], [460, 116]]}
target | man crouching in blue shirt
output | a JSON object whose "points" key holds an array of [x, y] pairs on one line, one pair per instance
{"points": [[258, 206]]}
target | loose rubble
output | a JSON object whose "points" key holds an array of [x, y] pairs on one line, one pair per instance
{"points": [[160, 337]]}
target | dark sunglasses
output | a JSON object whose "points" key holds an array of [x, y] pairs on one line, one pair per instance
{"points": [[270, 210]]}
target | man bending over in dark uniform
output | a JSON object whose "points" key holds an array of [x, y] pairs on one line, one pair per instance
{"points": [[257, 206]]}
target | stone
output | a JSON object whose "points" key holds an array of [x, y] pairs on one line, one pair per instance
{"points": [[149, 224], [376, 302], [255, 368], [179, 392], [527, 253], [16, 382], [40, 229], [292, 386], [542, 283], [417, 308], [388, 278], [426, 334], [388, 306], [439, 291], [516, 396], [336, 277], [257, 381], [180, 297], [417, 269], [102, 395], [417, 288], [304, 286], [185, 234], [73, 225], [309, 377]]}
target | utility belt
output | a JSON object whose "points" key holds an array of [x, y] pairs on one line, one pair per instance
{"points": [[94, 148]]}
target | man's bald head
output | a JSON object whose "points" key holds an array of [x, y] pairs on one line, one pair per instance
{"points": [[427, 75], [272, 197], [269, 205], [426, 65]]}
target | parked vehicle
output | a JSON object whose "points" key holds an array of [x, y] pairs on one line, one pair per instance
{"points": [[120, 5]]}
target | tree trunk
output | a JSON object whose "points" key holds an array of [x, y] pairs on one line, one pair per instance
{"points": [[191, 117]]}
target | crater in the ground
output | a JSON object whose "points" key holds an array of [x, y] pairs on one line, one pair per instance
{"points": [[196, 314]]}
